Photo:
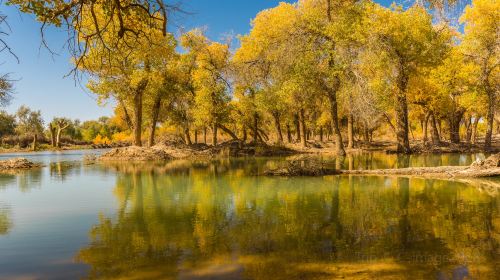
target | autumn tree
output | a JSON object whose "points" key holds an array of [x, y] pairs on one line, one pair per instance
{"points": [[210, 80], [108, 23], [56, 127], [481, 45], [406, 40]]}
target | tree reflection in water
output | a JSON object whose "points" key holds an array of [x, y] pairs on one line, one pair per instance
{"points": [[211, 220], [5, 220]]}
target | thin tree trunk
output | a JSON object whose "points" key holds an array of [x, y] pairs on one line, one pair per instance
{"points": [[155, 112], [255, 126], [425, 125], [228, 131], [489, 118], [297, 126], [434, 131], [321, 134], [187, 136], [402, 128], [288, 133], [474, 129], [277, 124], [303, 128], [339, 145], [244, 140], [196, 136], [366, 132], [58, 138], [440, 128], [468, 126], [34, 145], [350, 131], [138, 118], [214, 134], [128, 120], [52, 130]]}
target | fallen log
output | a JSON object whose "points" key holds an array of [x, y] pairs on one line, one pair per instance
{"points": [[489, 167], [431, 172]]}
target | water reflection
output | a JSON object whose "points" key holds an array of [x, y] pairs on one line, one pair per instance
{"points": [[211, 220], [5, 221]]}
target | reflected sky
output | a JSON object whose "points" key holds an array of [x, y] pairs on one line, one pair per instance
{"points": [[217, 219]]}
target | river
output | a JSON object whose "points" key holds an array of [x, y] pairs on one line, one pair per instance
{"points": [[218, 220]]}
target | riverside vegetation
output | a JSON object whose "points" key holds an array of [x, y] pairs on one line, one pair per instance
{"points": [[351, 74]]}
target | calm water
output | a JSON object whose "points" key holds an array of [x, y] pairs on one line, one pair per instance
{"points": [[216, 220]]}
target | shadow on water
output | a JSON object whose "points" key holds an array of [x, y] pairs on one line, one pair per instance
{"points": [[209, 220]]}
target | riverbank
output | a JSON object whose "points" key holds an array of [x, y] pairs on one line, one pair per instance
{"points": [[490, 167], [179, 150]]}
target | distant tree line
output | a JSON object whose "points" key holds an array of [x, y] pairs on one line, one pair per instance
{"points": [[26, 128]]}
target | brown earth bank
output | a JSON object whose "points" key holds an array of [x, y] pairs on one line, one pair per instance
{"points": [[166, 151], [16, 164], [489, 167], [178, 149]]}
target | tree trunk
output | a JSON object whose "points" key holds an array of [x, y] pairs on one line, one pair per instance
{"points": [[205, 134], [366, 133], [214, 134], [128, 120], [424, 127], [297, 126], [58, 138], [350, 131], [52, 130], [228, 131], [434, 130], [138, 118], [303, 128], [321, 134], [440, 128], [402, 129], [196, 136], [34, 145], [155, 112], [339, 145], [277, 124], [468, 126], [474, 129], [255, 127], [187, 136], [454, 120], [288, 133], [489, 118], [244, 140]]}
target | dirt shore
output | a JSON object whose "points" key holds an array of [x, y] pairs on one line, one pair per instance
{"points": [[489, 167], [16, 164]]}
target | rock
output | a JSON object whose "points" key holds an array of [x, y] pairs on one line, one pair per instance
{"points": [[17, 163], [134, 153]]}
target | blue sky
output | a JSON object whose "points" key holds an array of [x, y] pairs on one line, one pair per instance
{"points": [[41, 84]]}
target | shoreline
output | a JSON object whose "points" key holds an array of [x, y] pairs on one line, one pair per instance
{"points": [[314, 148]]}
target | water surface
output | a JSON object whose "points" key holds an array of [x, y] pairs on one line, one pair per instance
{"points": [[216, 220]]}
